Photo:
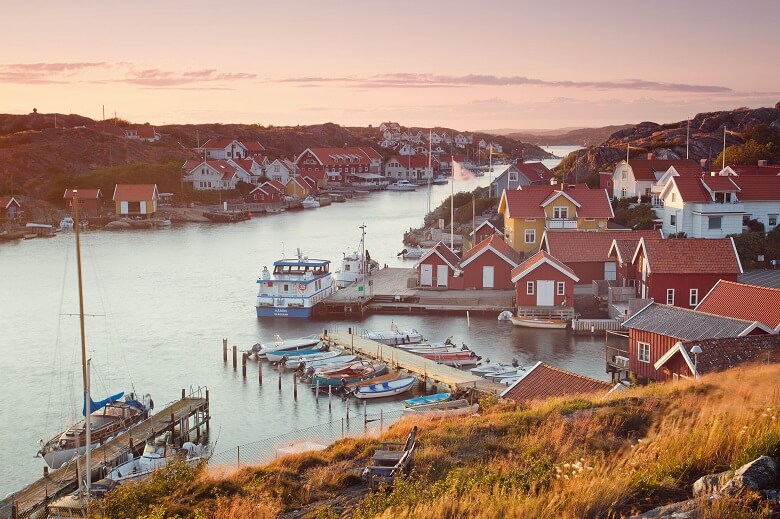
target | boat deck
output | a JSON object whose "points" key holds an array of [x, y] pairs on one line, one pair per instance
{"points": [[34, 497], [454, 378]]}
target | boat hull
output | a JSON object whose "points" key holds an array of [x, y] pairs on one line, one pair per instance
{"points": [[427, 399], [539, 323], [272, 311], [392, 388]]}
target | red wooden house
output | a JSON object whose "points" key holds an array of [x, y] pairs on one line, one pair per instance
{"points": [[656, 328], [264, 194], [680, 271], [91, 201], [487, 229], [436, 267], [335, 164], [543, 280], [741, 301], [489, 264]]}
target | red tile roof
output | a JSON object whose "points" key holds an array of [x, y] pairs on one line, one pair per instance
{"points": [[727, 352], [720, 184], [758, 188], [772, 170], [338, 156], [653, 169], [83, 194], [527, 202], [218, 144], [740, 301], [535, 171], [541, 257], [145, 131], [254, 146], [135, 192], [412, 161], [691, 189], [443, 252], [573, 246], [691, 256], [543, 381], [498, 245], [275, 184]]}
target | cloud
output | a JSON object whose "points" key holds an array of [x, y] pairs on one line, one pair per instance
{"points": [[44, 73], [415, 80], [165, 78]]}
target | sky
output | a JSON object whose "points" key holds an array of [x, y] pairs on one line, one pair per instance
{"points": [[464, 65]]}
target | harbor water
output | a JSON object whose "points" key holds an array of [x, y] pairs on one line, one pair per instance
{"points": [[159, 303]]}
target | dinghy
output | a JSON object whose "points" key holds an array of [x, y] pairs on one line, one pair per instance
{"points": [[382, 389], [427, 399]]}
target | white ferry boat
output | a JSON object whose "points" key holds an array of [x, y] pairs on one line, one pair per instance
{"points": [[294, 288]]}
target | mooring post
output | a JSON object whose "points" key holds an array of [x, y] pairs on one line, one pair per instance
{"points": [[346, 406], [330, 408], [183, 394], [295, 386], [342, 427], [238, 456], [235, 357], [280, 379], [365, 414], [317, 392], [260, 373], [224, 350], [243, 364], [381, 420]]}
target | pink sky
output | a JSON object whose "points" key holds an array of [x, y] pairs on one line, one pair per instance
{"points": [[467, 65]]}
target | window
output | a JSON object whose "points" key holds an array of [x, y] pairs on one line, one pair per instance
{"points": [[644, 352], [674, 196], [560, 212], [714, 222], [623, 193], [529, 288], [694, 297], [561, 287], [530, 236], [673, 220], [772, 220], [745, 220], [669, 296], [513, 176], [623, 175]]}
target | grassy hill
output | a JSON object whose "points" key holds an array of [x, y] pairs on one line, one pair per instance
{"points": [[575, 457]]}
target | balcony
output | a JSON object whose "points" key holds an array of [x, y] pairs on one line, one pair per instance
{"points": [[718, 208], [561, 223]]}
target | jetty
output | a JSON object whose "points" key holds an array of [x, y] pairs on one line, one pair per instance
{"points": [[182, 417], [426, 369]]}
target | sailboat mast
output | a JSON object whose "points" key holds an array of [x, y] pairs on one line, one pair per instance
{"points": [[76, 226], [430, 170], [88, 427], [363, 262]]}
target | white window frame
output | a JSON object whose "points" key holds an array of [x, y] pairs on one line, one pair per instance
{"points": [[560, 288], [670, 300], [531, 233], [643, 352], [693, 297], [513, 176], [711, 219], [561, 212], [529, 288], [770, 218], [673, 219]]}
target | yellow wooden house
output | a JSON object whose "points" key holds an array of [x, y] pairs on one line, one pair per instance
{"points": [[136, 200], [530, 210], [297, 186]]}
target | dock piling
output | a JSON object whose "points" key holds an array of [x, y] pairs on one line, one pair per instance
{"points": [[280, 378], [235, 357], [317, 392], [330, 408], [365, 414], [224, 350], [260, 373], [295, 386], [243, 364]]}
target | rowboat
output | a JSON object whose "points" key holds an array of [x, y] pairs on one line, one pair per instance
{"points": [[377, 380], [329, 362], [296, 361], [427, 399], [458, 359], [535, 322], [382, 389], [276, 356], [354, 373]]}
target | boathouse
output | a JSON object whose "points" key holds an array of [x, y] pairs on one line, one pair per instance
{"points": [[436, 267], [489, 264], [741, 301], [90, 201], [10, 208], [543, 281], [543, 381], [136, 199], [264, 194], [297, 186]]}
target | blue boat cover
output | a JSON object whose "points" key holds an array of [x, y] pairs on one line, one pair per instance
{"points": [[100, 404]]}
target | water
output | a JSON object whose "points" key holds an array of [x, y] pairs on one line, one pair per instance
{"points": [[160, 302]]}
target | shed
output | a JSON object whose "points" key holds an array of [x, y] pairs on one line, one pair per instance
{"points": [[543, 280], [136, 199], [436, 267], [489, 264]]}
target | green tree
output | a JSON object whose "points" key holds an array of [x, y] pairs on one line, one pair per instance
{"points": [[748, 153], [750, 245]]}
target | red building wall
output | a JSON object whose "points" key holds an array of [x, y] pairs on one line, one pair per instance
{"points": [[434, 260], [659, 345], [544, 272], [682, 284], [482, 233], [87, 206], [587, 271], [502, 272]]}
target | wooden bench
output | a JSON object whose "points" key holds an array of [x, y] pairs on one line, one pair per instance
{"points": [[390, 460]]}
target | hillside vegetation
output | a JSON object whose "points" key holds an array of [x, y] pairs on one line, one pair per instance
{"points": [[570, 458]]}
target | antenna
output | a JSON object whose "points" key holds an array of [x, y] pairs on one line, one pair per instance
{"points": [[723, 161], [687, 138]]}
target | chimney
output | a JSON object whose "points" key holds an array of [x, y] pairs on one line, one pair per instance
{"points": [[519, 161], [762, 162], [703, 164], [650, 156]]}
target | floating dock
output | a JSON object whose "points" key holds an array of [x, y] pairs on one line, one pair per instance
{"points": [[32, 499], [427, 369]]}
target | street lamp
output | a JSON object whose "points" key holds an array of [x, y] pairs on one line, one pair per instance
{"points": [[696, 350]]}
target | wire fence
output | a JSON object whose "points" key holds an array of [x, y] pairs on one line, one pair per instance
{"points": [[311, 438]]}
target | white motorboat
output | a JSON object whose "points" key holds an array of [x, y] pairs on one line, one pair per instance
{"points": [[310, 202], [401, 185], [498, 376], [487, 369], [388, 388], [535, 322], [506, 315], [329, 362], [279, 344], [295, 362], [355, 266], [157, 454], [296, 288], [66, 223], [412, 252], [393, 336], [279, 356]]}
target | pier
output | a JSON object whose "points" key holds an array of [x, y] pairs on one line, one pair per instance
{"points": [[454, 378], [186, 416]]}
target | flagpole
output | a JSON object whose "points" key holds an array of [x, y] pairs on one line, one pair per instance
{"points": [[723, 161], [452, 200], [687, 138]]}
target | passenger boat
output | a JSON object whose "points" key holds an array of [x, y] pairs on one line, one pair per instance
{"points": [[156, 455], [535, 322], [458, 359], [401, 185], [383, 389], [353, 373], [310, 202], [277, 356], [296, 288], [296, 361], [393, 336], [427, 399]]}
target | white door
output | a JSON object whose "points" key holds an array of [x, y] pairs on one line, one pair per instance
{"points": [[441, 275], [610, 271], [122, 210], [143, 207], [426, 275], [487, 276], [545, 293]]}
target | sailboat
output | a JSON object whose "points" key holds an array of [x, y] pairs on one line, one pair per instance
{"points": [[103, 419]]}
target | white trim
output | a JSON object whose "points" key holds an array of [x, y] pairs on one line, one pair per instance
{"points": [[613, 245], [490, 247], [755, 325], [507, 390], [552, 198], [433, 250], [641, 245], [678, 347], [690, 296], [531, 285], [673, 294], [538, 263], [708, 293], [639, 345], [736, 255]]}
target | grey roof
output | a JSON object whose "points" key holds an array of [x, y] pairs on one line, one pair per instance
{"points": [[761, 278], [685, 324]]}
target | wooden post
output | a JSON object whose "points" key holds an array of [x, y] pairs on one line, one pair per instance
{"points": [[330, 394], [238, 456], [381, 420], [317, 392], [243, 364], [280, 379], [183, 393], [365, 414], [346, 406], [235, 357], [295, 386], [260, 373], [224, 351]]}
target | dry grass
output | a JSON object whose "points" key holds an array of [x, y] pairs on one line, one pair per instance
{"points": [[563, 458]]}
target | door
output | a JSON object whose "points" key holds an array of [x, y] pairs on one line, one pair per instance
{"points": [[122, 207], [487, 276], [610, 271], [545, 293], [143, 206], [426, 275], [442, 271]]}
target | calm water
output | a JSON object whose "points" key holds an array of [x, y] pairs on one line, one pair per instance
{"points": [[161, 301]]}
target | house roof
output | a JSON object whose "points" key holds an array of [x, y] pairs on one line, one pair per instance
{"points": [[528, 201], [83, 194], [543, 381], [653, 169], [145, 131], [576, 247], [336, 156], [275, 184], [535, 171], [495, 244], [219, 144], [540, 258], [254, 146], [757, 188], [411, 161], [691, 189], [719, 184], [300, 181], [684, 324], [690, 256], [135, 192], [444, 252], [723, 353], [5, 201], [108, 129], [245, 164], [771, 170], [741, 301]]}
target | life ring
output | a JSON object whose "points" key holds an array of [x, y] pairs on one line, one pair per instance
{"points": [[302, 288]]}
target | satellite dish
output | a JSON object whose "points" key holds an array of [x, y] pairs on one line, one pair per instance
{"points": [[602, 224]]}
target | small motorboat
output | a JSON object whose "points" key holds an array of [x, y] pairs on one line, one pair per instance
{"points": [[412, 252], [387, 377], [401, 185], [66, 223], [488, 369], [393, 336], [506, 315], [276, 356], [310, 202], [427, 399], [302, 343], [383, 389], [328, 362], [535, 322], [456, 359], [353, 373], [296, 361], [157, 454]]}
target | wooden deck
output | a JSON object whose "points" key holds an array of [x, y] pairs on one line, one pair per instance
{"points": [[451, 377], [34, 497]]}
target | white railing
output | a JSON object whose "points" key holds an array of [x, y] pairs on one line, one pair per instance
{"points": [[561, 223]]}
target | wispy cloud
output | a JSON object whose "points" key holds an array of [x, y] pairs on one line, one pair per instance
{"points": [[44, 73], [166, 78], [414, 80]]}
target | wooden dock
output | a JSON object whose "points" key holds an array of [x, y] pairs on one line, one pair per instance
{"points": [[453, 378], [32, 499]]}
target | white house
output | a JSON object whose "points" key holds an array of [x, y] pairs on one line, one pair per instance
{"points": [[280, 171], [407, 149], [413, 168], [250, 170], [637, 177], [223, 149], [461, 140], [210, 175]]}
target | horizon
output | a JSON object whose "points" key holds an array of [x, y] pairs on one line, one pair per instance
{"points": [[506, 66]]}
